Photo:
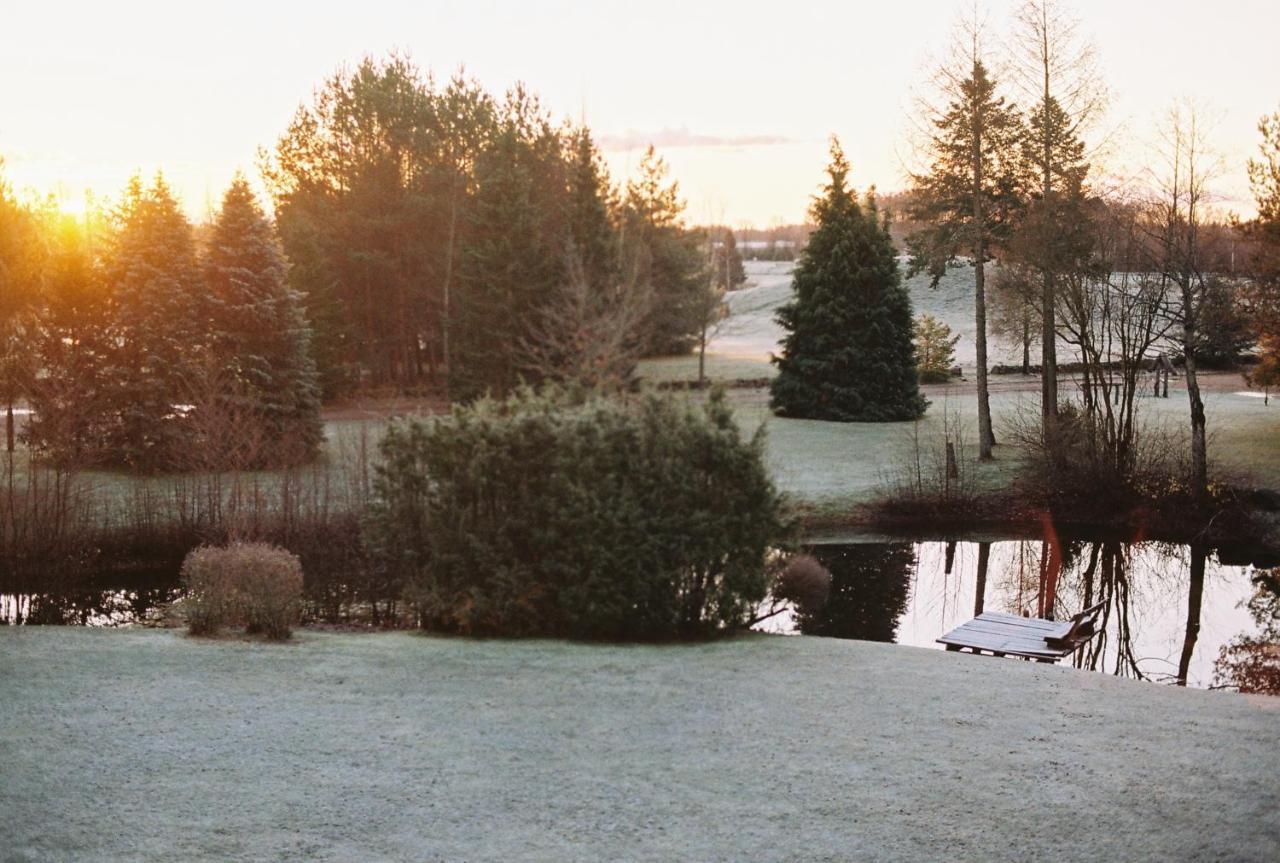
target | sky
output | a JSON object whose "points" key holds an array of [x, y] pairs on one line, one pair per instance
{"points": [[740, 97]]}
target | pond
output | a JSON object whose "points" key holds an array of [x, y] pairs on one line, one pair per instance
{"points": [[1168, 608], [907, 592]]}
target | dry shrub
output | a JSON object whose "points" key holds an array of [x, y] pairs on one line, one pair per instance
{"points": [[1082, 469], [925, 479], [804, 582], [254, 585]]}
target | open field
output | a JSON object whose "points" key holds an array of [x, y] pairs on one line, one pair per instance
{"points": [[147, 745], [844, 464]]}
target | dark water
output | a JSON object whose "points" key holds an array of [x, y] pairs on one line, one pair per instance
{"points": [[95, 602], [1168, 609]]}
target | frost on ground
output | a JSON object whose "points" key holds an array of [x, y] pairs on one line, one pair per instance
{"points": [[849, 463], [751, 331], [146, 745]]}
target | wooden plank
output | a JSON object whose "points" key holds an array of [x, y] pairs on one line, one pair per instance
{"points": [[1025, 622], [996, 641], [1006, 645], [982, 651], [1000, 629]]}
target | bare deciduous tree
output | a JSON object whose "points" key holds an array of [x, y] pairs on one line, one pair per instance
{"points": [[1178, 211], [587, 335], [1115, 318]]}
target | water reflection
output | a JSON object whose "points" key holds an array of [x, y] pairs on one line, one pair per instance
{"points": [[83, 605], [870, 585], [1167, 609]]}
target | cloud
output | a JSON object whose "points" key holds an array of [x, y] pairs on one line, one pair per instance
{"points": [[682, 137]]}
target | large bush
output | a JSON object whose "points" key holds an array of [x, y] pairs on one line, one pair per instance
{"points": [[254, 585], [636, 517]]}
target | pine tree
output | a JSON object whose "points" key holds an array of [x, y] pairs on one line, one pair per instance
{"points": [[847, 355], [158, 326], [260, 339], [667, 258], [592, 237], [513, 258], [20, 252], [935, 349], [1263, 293], [966, 200], [72, 414]]}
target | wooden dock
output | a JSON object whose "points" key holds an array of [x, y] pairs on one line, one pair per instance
{"points": [[1026, 637]]}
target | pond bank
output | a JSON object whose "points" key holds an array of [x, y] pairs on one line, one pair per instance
{"points": [[148, 745]]}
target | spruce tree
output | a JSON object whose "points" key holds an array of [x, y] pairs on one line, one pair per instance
{"points": [[72, 346], [592, 237], [260, 339], [513, 258], [158, 326], [20, 253], [847, 355]]}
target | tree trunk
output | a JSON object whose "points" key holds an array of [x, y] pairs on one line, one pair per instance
{"points": [[985, 437], [1048, 358], [702, 356], [1048, 331], [1026, 342], [1195, 592], [9, 436], [446, 313], [980, 591], [1199, 448]]}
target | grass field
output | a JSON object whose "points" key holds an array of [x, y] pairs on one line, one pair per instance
{"points": [[844, 464], [147, 745], [835, 466]]}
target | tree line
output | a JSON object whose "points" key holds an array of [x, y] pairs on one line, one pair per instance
{"points": [[135, 345], [423, 237], [445, 236]]}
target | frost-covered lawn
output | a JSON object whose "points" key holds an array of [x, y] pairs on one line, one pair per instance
{"points": [[146, 745], [844, 464]]}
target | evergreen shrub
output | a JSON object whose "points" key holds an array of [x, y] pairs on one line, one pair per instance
{"points": [[638, 517]]}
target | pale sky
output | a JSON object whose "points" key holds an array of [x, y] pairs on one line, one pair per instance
{"points": [[739, 96]]}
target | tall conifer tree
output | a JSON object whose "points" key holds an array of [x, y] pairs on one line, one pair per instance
{"points": [[159, 325], [666, 257], [966, 198], [513, 255], [261, 342], [847, 355], [72, 346], [592, 236]]}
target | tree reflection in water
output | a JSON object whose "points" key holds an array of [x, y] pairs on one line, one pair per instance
{"points": [[1167, 609], [870, 583]]}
